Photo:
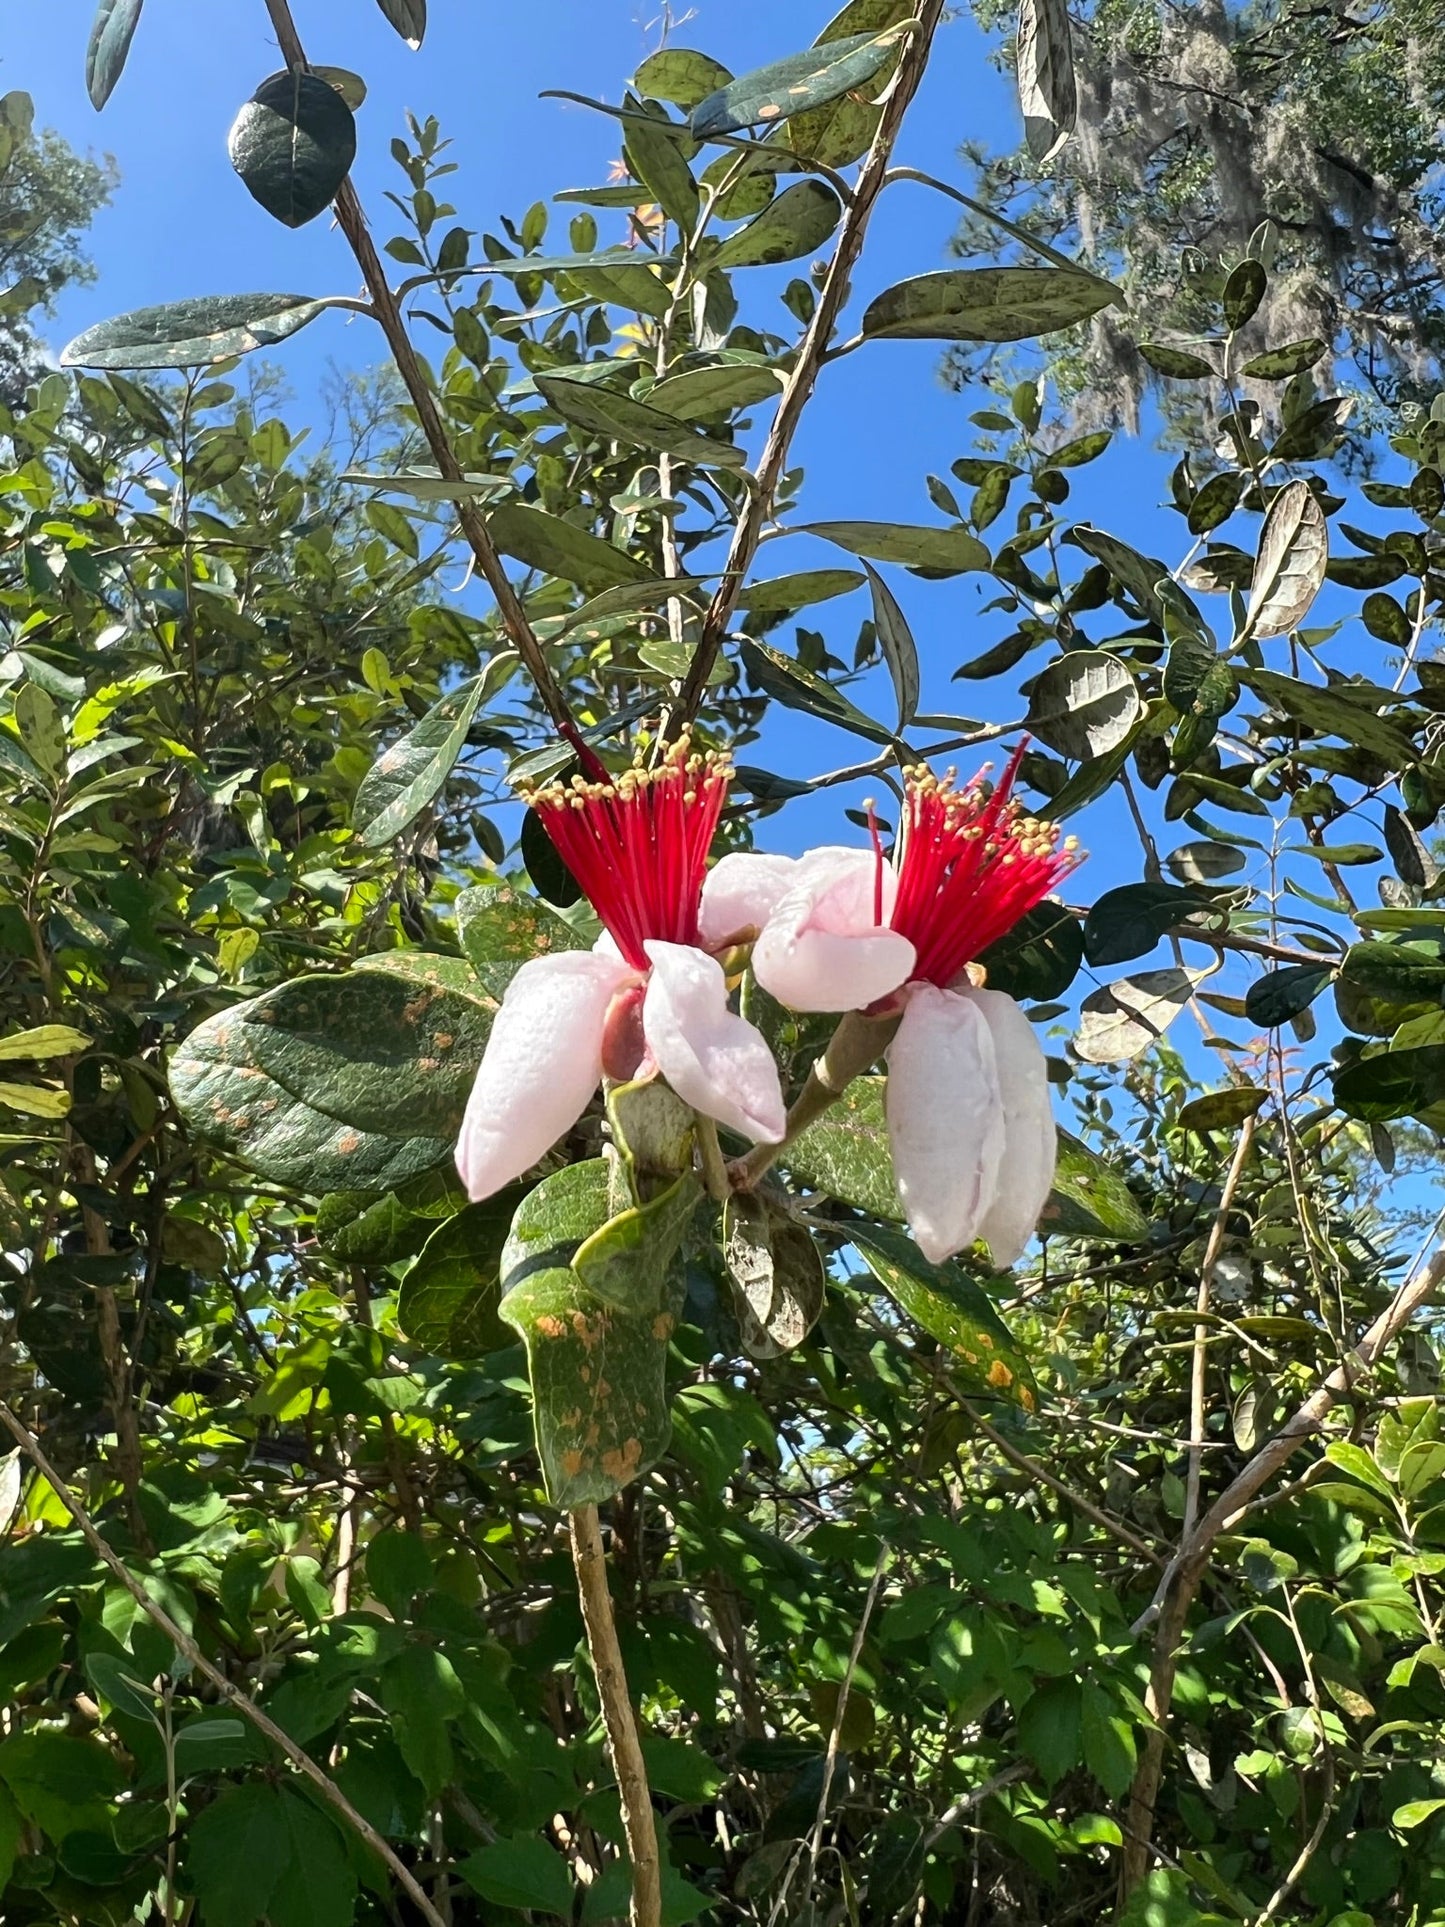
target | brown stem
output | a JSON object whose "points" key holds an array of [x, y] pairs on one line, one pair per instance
{"points": [[352, 222], [1201, 1330], [832, 298], [1181, 1581], [191, 1652], [623, 1741], [857, 1043]]}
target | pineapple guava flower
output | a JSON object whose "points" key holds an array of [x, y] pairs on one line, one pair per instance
{"points": [[649, 996], [970, 1123]]}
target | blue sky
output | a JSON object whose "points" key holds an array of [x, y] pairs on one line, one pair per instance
{"points": [[182, 225]]}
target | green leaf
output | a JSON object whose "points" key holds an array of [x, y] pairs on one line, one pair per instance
{"points": [[556, 547], [701, 394], [986, 304], [353, 1082], [1282, 994], [1109, 1750], [1398, 973], [1397, 1083], [777, 1275], [798, 688], [111, 32], [12, 1827], [1177, 363], [597, 1350], [1278, 364], [1122, 1019], [408, 17], [603, 411], [845, 1154], [1084, 704], [680, 76], [546, 867], [785, 593], [398, 1567], [900, 651], [1290, 567], [520, 1872], [500, 929], [1040, 957], [1204, 862], [950, 1307], [1139, 574], [293, 144], [1050, 1728], [1129, 921], [1216, 502], [1415, 1812], [769, 94], [799, 222], [938, 551], [191, 334], [236, 1850], [657, 152], [1222, 1110], [45, 1040], [1243, 292], [449, 1298], [428, 484], [1044, 60], [1090, 1198], [413, 771]]}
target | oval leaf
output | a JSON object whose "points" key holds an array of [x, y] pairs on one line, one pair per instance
{"points": [[1293, 555], [191, 334], [797, 223], [939, 551], [292, 145], [1124, 1018], [1084, 704], [111, 32], [900, 651], [810, 79], [605, 412], [408, 775], [986, 304]]}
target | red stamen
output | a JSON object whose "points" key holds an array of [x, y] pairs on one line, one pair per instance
{"points": [[971, 864], [638, 843]]}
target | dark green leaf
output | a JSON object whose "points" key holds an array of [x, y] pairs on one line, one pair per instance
{"points": [[499, 929], [1090, 1198], [1040, 956], [1282, 994], [1336, 711], [449, 1298], [550, 876], [1129, 921], [293, 144], [798, 688], [1401, 973], [409, 775], [1109, 1750], [1050, 1727], [841, 132], [1222, 1110], [769, 94], [986, 304], [408, 17], [111, 32], [939, 551], [1177, 363], [605, 412], [520, 1872], [950, 1307], [1215, 502], [1243, 292], [236, 1852], [1278, 364], [701, 394], [796, 224], [900, 651], [785, 593], [556, 547], [1385, 618], [1204, 862], [353, 1082], [1413, 862], [657, 152], [1397, 1083], [845, 1154], [191, 334]]}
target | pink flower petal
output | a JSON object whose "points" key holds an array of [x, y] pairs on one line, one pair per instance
{"points": [[823, 948], [945, 1119], [738, 895], [711, 1057], [1030, 1140], [542, 1063]]}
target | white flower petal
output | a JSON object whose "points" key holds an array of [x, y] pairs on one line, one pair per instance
{"points": [[542, 1063], [823, 948], [738, 895], [945, 1119], [711, 1057], [1030, 1140]]}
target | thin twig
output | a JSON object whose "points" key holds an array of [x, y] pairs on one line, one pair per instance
{"points": [[232, 1694], [623, 1740], [1201, 1330], [832, 297]]}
